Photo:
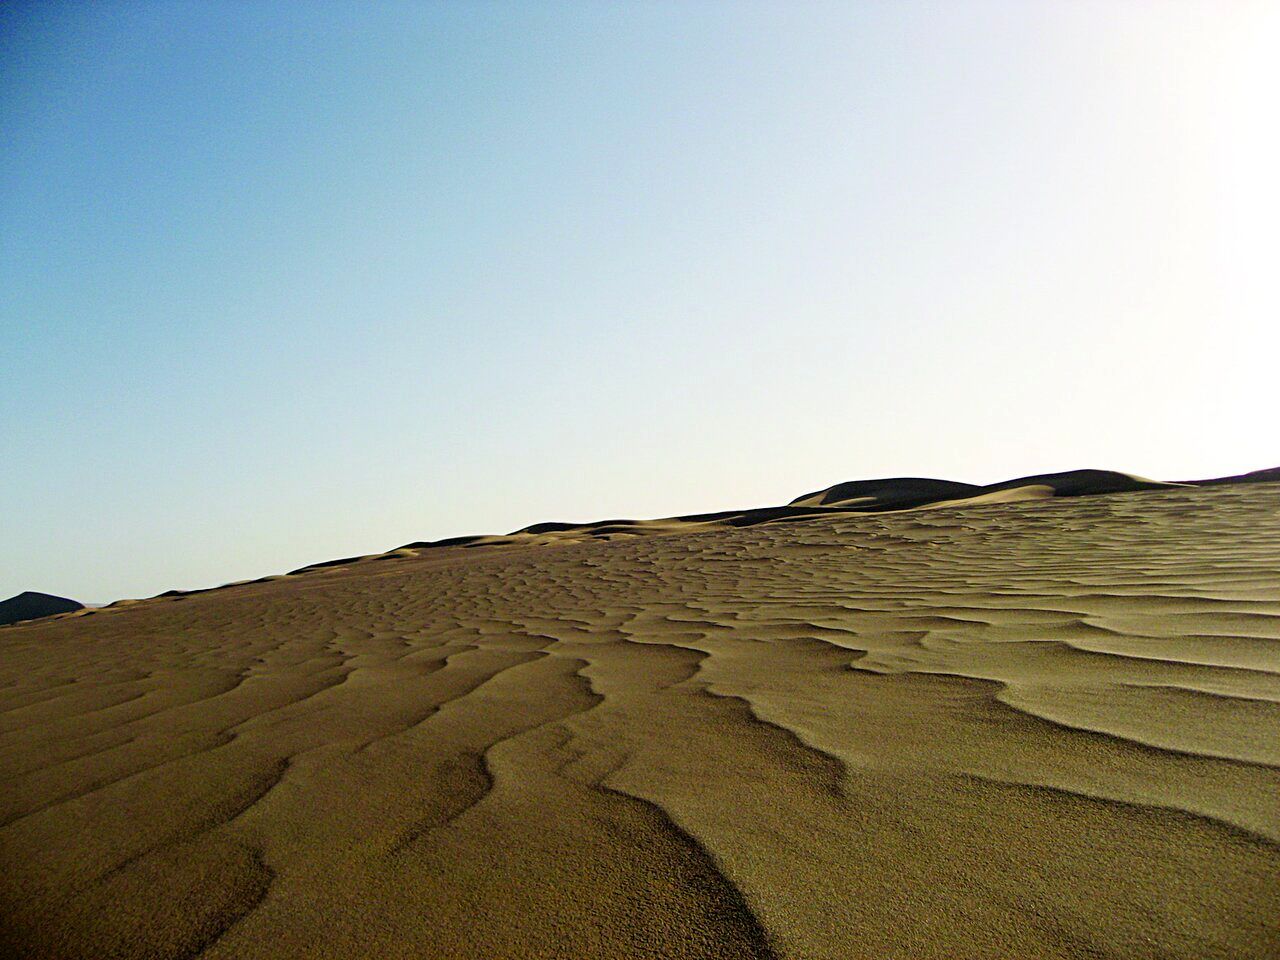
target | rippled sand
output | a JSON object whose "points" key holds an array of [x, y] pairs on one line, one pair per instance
{"points": [[1041, 729]]}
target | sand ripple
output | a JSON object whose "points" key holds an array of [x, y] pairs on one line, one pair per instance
{"points": [[1029, 729]]}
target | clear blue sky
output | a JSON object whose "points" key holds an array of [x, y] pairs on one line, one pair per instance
{"points": [[282, 282]]}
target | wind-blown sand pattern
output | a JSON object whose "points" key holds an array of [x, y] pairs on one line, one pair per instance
{"points": [[1025, 729]]}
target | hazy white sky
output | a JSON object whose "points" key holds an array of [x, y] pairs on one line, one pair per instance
{"points": [[286, 282]]}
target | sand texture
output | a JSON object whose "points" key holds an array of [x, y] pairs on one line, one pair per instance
{"points": [[1020, 725]]}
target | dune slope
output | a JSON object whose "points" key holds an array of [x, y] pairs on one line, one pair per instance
{"points": [[1001, 729]]}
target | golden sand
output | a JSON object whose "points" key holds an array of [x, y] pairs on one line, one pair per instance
{"points": [[999, 729]]}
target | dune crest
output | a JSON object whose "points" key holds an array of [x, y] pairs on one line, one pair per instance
{"points": [[858, 496]]}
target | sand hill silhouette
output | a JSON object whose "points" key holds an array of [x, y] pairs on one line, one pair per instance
{"points": [[30, 605]]}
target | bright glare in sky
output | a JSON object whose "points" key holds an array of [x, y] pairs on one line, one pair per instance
{"points": [[287, 282]]}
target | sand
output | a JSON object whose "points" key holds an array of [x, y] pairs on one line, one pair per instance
{"points": [[1046, 727]]}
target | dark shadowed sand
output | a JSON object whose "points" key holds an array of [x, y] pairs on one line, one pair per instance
{"points": [[1000, 729]]}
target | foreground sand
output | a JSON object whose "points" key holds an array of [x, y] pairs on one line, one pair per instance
{"points": [[1037, 729]]}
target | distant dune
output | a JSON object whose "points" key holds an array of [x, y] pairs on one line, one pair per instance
{"points": [[1257, 476], [29, 606], [904, 493], [857, 496], [894, 719]]}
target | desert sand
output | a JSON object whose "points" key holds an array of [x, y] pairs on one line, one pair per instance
{"points": [[988, 723]]}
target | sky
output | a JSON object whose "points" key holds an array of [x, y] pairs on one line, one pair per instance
{"points": [[285, 282]]}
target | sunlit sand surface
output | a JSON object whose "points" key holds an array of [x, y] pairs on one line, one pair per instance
{"points": [[1002, 729]]}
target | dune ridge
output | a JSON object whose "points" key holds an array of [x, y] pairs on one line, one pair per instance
{"points": [[969, 728], [859, 496]]}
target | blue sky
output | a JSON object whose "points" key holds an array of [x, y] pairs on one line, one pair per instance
{"points": [[282, 282]]}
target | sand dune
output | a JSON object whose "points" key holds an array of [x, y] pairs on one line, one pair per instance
{"points": [[1047, 727], [903, 493], [857, 496], [32, 606]]}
